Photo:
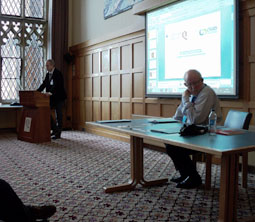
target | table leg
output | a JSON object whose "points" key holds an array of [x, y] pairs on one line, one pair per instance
{"points": [[136, 156], [228, 188], [208, 174], [244, 169]]}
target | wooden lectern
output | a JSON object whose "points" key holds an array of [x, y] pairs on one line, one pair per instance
{"points": [[35, 118]]}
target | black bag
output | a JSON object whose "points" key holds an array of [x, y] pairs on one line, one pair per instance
{"points": [[193, 130]]}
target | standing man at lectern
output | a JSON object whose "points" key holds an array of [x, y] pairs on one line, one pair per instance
{"points": [[54, 84]]}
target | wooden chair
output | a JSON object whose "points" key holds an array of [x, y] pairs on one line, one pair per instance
{"points": [[236, 120]]}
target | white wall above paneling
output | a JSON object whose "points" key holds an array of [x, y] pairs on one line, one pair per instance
{"points": [[87, 21]]}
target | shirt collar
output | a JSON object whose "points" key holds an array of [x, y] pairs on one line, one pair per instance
{"points": [[51, 73], [204, 85]]}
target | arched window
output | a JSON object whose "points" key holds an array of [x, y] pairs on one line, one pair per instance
{"points": [[23, 41]]}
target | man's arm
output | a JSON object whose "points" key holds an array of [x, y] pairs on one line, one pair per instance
{"points": [[178, 114], [184, 103], [198, 112], [42, 86]]}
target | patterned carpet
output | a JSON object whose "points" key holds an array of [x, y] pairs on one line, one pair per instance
{"points": [[72, 171]]}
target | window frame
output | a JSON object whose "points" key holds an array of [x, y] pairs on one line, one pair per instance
{"points": [[22, 19]]}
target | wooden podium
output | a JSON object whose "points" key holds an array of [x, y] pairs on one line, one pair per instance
{"points": [[35, 118]]}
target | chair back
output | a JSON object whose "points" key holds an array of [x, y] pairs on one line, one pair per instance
{"points": [[238, 119]]}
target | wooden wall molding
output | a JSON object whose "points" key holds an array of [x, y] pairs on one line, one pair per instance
{"points": [[148, 5], [251, 12], [105, 40], [247, 4]]}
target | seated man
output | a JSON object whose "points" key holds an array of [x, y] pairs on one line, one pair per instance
{"points": [[13, 210], [197, 101]]}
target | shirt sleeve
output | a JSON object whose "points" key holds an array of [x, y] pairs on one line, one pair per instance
{"points": [[42, 86], [178, 114], [181, 110], [197, 112]]}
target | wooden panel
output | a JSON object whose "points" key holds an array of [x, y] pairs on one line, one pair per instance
{"points": [[152, 109], [125, 111], [138, 55], [39, 129], [28, 98], [126, 57], [105, 61], [252, 65], [105, 110], [67, 112], [138, 85], [115, 86], [80, 63], [82, 114], [76, 88], [96, 111], [88, 64], [88, 111], [115, 110], [252, 27], [95, 62], [8, 118], [88, 87], [114, 59], [126, 85], [108, 133], [168, 110], [253, 117], [106, 86], [82, 89], [242, 53], [252, 83], [138, 108], [96, 87], [76, 113]]}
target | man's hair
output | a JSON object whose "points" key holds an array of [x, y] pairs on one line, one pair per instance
{"points": [[195, 72], [51, 61]]}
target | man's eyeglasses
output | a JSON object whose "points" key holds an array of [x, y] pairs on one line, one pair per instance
{"points": [[192, 84]]}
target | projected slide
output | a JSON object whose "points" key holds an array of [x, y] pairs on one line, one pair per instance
{"points": [[192, 34], [191, 44]]}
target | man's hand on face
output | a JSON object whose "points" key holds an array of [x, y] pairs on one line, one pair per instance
{"points": [[186, 93]]}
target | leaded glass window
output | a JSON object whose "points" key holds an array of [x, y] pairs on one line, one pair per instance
{"points": [[23, 38]]}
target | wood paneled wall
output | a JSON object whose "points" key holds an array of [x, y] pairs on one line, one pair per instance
{"points": [[108, 80]]}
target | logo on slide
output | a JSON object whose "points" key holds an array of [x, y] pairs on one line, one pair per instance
{"points": [[178, 35], [208, 30], [185, 35]]}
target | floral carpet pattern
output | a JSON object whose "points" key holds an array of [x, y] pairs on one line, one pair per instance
{"points": [[71, 173]]}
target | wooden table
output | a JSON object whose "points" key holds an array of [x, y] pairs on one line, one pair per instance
{"points": [[228, 147]]}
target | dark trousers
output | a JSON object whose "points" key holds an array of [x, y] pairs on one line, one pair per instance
{"points": [[182, 161], [11, 207], [57, 125]]}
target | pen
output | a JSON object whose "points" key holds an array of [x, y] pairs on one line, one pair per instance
{"points": [[158, 131]]}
